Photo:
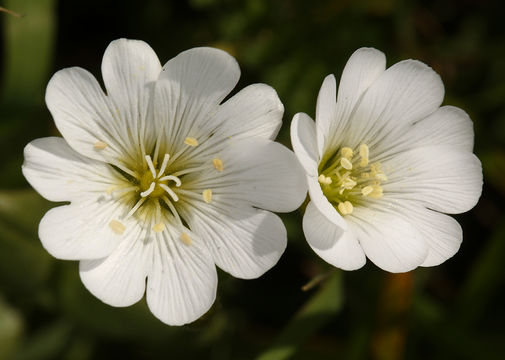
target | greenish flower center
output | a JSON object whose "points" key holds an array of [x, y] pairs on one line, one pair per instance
{"points": [[348, 178]]}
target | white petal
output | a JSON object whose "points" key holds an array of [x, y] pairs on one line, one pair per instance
{"points": [[59, 173], [405, 93], [303, 138], [263, 173], [85, 116], [254, 111], [119, 279], [448, 126], [442, 233], [80, 230], [330, 242], [326, 113], [442, 178], [362, 69], [129, 69], [189, 91], [389, 239], [182, 283], [323, 205], [244, 242]]}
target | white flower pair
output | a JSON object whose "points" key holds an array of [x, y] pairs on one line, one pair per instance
{"points": [[165, 180]]}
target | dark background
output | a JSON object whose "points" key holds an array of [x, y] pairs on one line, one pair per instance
{"points": [[453, 311]]}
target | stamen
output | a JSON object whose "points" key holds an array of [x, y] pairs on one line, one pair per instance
{"points": [[218, 164], [100, 145], [345, 208], [364, 153], [158, 211], [186, 239], [117, 227], [151, 166], [326, 180], [164, 164], [172, 209], [135, 208], [191, 141], [148, 191], [347, 153], [125, 169], [377, 192], [190, 170], [367, 190], [121, 190], [381, 177], [159, 227], [170, 192], [375, 169], [346, 164], [348, 183], [173, 178], [207, 195]]}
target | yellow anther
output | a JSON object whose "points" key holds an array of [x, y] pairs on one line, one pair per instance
{"points": [[346, 164], [381, 177], [207, 195], [365, 175], [376, 193], [364, 153], [191, 141], [218, 164], [186, 239], [375, 168], [345, 208], [348, 183], [159, 227], [347, 152], [367, 190], [326, 180], [117, 227], [100, 145]]}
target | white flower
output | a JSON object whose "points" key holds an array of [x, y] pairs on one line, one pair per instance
{"points": [[163, 180], [384, 162]]}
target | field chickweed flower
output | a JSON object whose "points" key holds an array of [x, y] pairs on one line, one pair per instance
{"points": [[384, 162], [164, 180]]}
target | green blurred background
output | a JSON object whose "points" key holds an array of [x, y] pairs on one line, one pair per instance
{"points": [[453, 311]]}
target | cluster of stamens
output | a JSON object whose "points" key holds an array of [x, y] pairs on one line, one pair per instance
{"points": [[351, 178], [153, 190]]}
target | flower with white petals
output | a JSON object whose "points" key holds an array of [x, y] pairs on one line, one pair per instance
{"points": [[164, 180], [384, 163]]}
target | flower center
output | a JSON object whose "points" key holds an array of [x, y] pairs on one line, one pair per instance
{"points": [[153, 192], [154, 183], [350, 179]]}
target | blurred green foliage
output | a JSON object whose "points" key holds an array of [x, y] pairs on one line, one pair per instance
{"points": [[451, 311]]}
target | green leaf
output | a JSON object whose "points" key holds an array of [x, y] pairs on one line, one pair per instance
{"points": [[28, 50], [318, 311], [135, 323], [484, 278], [23, 209], [24, 264], [47, 343], [11, 328]]}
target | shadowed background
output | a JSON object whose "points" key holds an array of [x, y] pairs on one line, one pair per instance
{"points": [[453, 311]]}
